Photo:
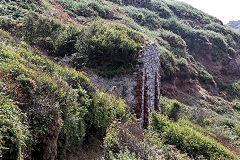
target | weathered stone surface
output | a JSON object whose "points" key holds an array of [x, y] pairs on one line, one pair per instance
{"points": [[141, 90], [234, 65], [150, 68]]}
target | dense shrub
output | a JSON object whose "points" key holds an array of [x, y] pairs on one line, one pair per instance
{"points": [[231, 36], [19, 9], [92, 46], [47, 33], [144, 17], [104, 109], [189, 140], [144, 144], [50, 34], [110, 48], [56, 95], [90, 8], [233, 88], [123, 155], [168, 63], [128, 135], [7, 24], [14, 133], [170, 108]]}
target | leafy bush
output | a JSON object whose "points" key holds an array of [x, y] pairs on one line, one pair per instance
{"points": [[90, 8], [128, 135], [230, 35], [170, 108], [233, 88], [14, 133], [110, 48], [144, 17], [123, 155], [144, 144], [56, 95], [168, 63], [189, 140], [236, 103], [7, 24], [73, 132], [19, 9], [91, 46], [50, 34], [104, 109]]}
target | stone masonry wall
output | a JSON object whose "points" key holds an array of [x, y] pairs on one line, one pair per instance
{"points": [[141, 90], [148, 84]]}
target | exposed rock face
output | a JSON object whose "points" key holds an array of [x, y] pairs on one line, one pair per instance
{"points": [[47, 148], [234, 66], [235, 25], [141, 90], [49, 143]]}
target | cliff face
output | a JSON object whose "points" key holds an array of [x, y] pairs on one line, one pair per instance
{"points": [[235, 25]]}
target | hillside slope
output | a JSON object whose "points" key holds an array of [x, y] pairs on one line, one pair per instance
{"points": [[42, 41], [235, 25]]}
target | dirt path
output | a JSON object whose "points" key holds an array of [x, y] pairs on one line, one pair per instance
{"points": [[60, 14], [228, 145]]}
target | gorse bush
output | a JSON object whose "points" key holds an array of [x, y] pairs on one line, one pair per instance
{"points": [[128, 135], [170, 108], [58, 99], [110, 48], [188, 139], [144, 144], [19, 9], [50, 34], [14, 132], [123, 155], [144, 17], [60, 103], [104, 109], [90, 8], [233, 88], [46, 86], [47, 33]]}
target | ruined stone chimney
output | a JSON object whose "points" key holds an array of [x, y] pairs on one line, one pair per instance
{"points": [[140, 90], [147, 89]]}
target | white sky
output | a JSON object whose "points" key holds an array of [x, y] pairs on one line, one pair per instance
{"points": [[225, 10]]}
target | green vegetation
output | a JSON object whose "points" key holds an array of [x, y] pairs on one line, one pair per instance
{"points": [[19, 9], [38, 97], [90, 46], [44, 91], [187, 139], [144, 145], [90, 8], [170, 108], [14, 133], [123, 155], [110, 48]]}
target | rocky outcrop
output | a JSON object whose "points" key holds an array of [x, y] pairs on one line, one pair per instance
{"points": [[47, 148], [49, 143], [141, 90], [234, 66], [235, 25]]}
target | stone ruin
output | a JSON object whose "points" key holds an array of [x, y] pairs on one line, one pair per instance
{"points": [[147, 89], [141, 90]]}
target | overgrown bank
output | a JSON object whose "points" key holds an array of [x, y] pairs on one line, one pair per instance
{"points": [[39, 97]]}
